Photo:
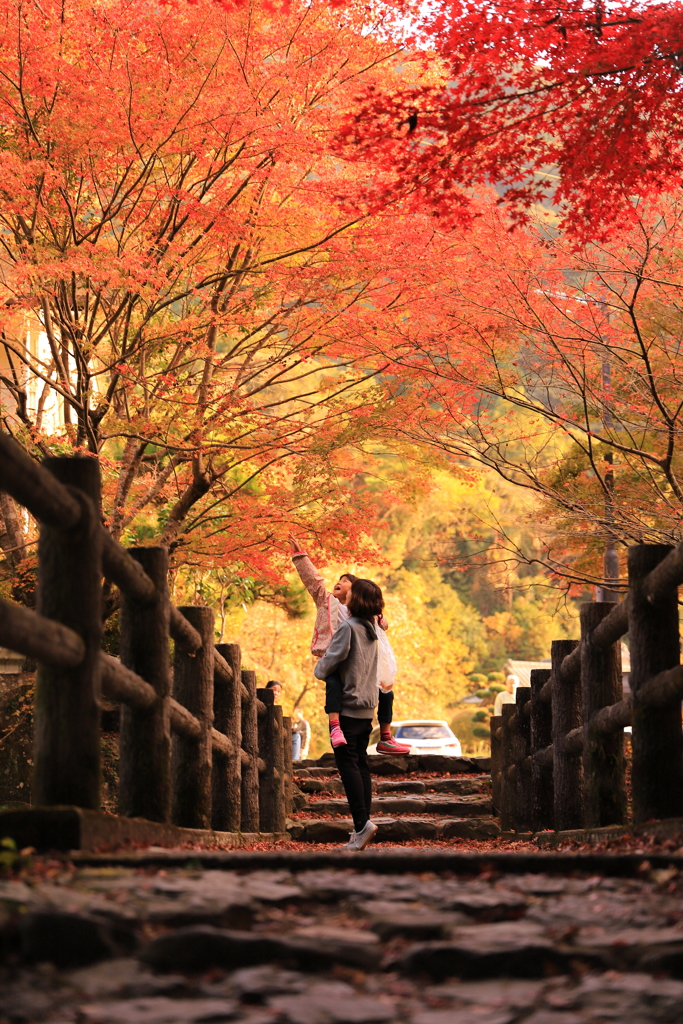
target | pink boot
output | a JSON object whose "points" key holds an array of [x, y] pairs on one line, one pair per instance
{"points": [[337, 738]]}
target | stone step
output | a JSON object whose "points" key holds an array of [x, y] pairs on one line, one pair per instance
{"points": [[465, 807], [412, 764], [314, 773], [395, 830], [459, 786], [327, 937]]}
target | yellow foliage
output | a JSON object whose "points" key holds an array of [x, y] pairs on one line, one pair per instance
{"points": [[432, 663], [456, 602], [278, 646]]}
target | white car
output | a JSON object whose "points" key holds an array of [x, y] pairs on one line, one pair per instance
{"points": [[424, 736]]}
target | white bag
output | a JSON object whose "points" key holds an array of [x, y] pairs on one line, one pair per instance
{"points": [[386, 662]]}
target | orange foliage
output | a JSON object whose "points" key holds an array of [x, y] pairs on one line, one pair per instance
{"points": [[203, 271]]}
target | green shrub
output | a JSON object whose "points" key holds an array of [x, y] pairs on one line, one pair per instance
{"points": [[463, 727], [480, 716], [477, 678], [496, 677], [481, 732], [496, 687], [484, 694]]}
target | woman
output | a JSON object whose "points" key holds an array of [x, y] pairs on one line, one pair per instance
{"points": [[352, 654], [333, 609]]}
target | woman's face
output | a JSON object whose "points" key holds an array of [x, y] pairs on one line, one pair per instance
{"points": [[276, 691], [342, 589]]}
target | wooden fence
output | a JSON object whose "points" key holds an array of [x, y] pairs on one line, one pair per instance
{"points": [[558, 753], [199, 744]]}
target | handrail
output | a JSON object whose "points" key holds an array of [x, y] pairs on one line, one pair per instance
{"points": [[40, 638], [124, 571], [36, 489], [184, 632], [50, 501], [579, 706], [611, 629], [61, 508]]}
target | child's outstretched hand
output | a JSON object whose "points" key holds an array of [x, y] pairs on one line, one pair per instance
{"points": [[293, 543]]}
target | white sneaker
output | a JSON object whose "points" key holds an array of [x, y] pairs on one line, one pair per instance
{"points": [[351, 845], [359, 840]]}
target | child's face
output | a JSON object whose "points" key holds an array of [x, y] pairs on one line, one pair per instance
{"points": [[342, 589]]}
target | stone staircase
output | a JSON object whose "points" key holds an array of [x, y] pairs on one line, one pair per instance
{"points": [[415, 798]]}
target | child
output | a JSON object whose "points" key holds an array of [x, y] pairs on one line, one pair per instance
{"points": [[332, 610], [353, 653]]}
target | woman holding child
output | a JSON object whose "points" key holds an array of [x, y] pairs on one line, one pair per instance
{"points": [[358, 677]]}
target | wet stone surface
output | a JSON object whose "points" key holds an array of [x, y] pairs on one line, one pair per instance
{"points": [[331, 946]]}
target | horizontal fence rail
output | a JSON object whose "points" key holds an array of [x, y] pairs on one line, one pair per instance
{"points": [[558, 751], [199, 744]]}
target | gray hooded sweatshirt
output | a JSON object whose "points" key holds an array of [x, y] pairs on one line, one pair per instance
{"points": [[353, 654]]}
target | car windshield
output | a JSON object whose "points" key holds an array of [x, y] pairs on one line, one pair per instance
{"points": [[423, 732]]}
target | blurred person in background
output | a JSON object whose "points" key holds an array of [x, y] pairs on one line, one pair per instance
{"points": [[276, 687], [301, 736], [506, 696]]}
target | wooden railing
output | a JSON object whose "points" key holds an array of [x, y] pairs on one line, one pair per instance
{"points": [[558, 753], [199, 744]]}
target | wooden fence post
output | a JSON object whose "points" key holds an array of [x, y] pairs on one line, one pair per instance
{"points": [[267, 742], [541, 736], [603, 755], [279, 786], [496, 726], [657, 768], [67, 705], [508, 800], [523, 782], [289, 769], [567, 768], [192, 760], [145, 739], [227, 769], [250, 771]]}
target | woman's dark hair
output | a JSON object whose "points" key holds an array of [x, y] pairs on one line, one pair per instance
{"points": [[366, 599], [272, 683], [348, 576]]}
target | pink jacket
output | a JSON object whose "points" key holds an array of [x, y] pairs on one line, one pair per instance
{"points": [[327, 619]]}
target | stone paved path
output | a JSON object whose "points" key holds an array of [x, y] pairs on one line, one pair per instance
{"points": [[414, 798], [346, 944]]}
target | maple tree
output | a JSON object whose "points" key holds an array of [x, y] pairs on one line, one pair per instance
{"points": [[577, 102], [560, 368], [173, 223]]}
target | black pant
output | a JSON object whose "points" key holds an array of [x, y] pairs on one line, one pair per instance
{"points": [[334, 689], [353, 767]]}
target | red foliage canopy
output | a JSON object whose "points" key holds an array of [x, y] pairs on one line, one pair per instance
{"points": [[575, 102]]}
